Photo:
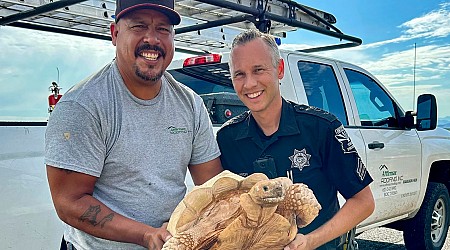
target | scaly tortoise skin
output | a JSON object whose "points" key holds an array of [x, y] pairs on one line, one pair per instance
{"points": [[232, 212]]}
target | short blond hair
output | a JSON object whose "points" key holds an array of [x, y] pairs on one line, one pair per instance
{"points": [[252, 34]]}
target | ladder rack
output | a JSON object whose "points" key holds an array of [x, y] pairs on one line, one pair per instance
{"points": [[207, 25]]}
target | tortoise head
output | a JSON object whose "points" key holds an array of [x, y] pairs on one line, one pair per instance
{"points": [[268, 192]]}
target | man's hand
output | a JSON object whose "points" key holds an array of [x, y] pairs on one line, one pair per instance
{"points": [[299, 243], [156, 237]]}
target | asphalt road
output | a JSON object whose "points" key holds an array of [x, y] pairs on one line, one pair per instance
{"points": [[385, 238]]}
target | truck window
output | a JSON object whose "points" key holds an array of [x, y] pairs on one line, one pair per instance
{"points": [[205, 79], [213, 83], [375, 107], [321, 87]]}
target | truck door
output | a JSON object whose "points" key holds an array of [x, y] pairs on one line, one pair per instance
{"points": [[371, 118], [393, 152], [318, 82]]}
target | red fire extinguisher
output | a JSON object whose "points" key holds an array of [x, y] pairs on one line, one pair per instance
{"points": [[54, 97]]}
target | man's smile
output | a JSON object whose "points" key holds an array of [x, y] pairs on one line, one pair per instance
{"points": [[152, 56], [254, 95]]}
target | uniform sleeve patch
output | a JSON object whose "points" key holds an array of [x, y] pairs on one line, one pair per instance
{"points": [[343, 138], [361, 170]]}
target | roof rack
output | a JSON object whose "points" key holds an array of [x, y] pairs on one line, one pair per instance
{"points": [[207, 25]]}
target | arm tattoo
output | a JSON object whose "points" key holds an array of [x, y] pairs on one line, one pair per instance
{"points": [[90, 216]]}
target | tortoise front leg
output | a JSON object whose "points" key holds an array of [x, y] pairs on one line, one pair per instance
{"points": [[300, 202]]}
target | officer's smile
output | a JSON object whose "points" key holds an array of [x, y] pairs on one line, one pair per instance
{"points": [[254, 95]]}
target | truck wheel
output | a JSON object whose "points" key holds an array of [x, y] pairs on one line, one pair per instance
{"points": [[428, 229]]}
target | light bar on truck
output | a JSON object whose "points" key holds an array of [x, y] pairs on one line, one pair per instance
{"points": [[202, 60]]}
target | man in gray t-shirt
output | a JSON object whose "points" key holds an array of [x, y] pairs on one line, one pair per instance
{"points": [[118, 144]]}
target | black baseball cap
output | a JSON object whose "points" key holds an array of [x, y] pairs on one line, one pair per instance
{"points": [[165, 6]]}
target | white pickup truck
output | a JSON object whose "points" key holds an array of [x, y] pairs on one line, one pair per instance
{"points": [[407, 156]]}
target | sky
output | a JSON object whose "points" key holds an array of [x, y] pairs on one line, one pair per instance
{"points": [[404, 41]]}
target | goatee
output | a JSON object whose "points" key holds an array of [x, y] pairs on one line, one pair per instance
{"points": [[141, 74], [152, 78]]}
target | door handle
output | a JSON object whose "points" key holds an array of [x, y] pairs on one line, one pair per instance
{"points": [[375, 145]]}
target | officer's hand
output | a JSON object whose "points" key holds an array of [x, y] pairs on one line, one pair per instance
{"points": [[299, 243], [156, 237]]}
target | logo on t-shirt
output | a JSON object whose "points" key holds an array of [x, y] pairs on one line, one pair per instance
{"points": [[175, 130], [300, 159]]}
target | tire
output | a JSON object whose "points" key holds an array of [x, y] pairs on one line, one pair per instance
{"points": [[428, 229]]}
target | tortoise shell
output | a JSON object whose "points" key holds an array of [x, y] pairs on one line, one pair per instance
{"points": [[232, 212]]}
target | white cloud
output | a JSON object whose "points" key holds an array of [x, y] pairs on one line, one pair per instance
{"points": [[434, 24], [294, 46], [397, 67], [29, 63], [431, 25], [426, 56], [394, 66], [50, 46]]}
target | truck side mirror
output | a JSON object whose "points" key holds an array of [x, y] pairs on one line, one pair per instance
{"points": [[426, 112]]}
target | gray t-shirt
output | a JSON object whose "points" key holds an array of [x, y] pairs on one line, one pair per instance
{"points": [[138, 149]]}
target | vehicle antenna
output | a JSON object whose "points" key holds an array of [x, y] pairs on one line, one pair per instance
{"points": [[414, 75], [58, 74]]}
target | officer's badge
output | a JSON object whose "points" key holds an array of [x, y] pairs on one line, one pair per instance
{"points": [[300, 159], [343, 138]]}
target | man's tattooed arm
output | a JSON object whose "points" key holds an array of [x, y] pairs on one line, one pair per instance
{"points": [[90, 216]]}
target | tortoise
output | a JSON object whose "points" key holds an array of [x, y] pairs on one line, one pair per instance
{"points": [[233, 212]]}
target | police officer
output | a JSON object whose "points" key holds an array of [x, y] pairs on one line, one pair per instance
{"points": [[281, 138]]}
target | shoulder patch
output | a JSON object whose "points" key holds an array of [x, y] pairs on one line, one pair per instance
{"points": [[305, 109], [236, 119]]}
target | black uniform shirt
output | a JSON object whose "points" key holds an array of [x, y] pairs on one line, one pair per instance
{"points": [[310, 142]]}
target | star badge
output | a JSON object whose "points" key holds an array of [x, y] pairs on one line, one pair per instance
{"points": [[300, 159]]}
